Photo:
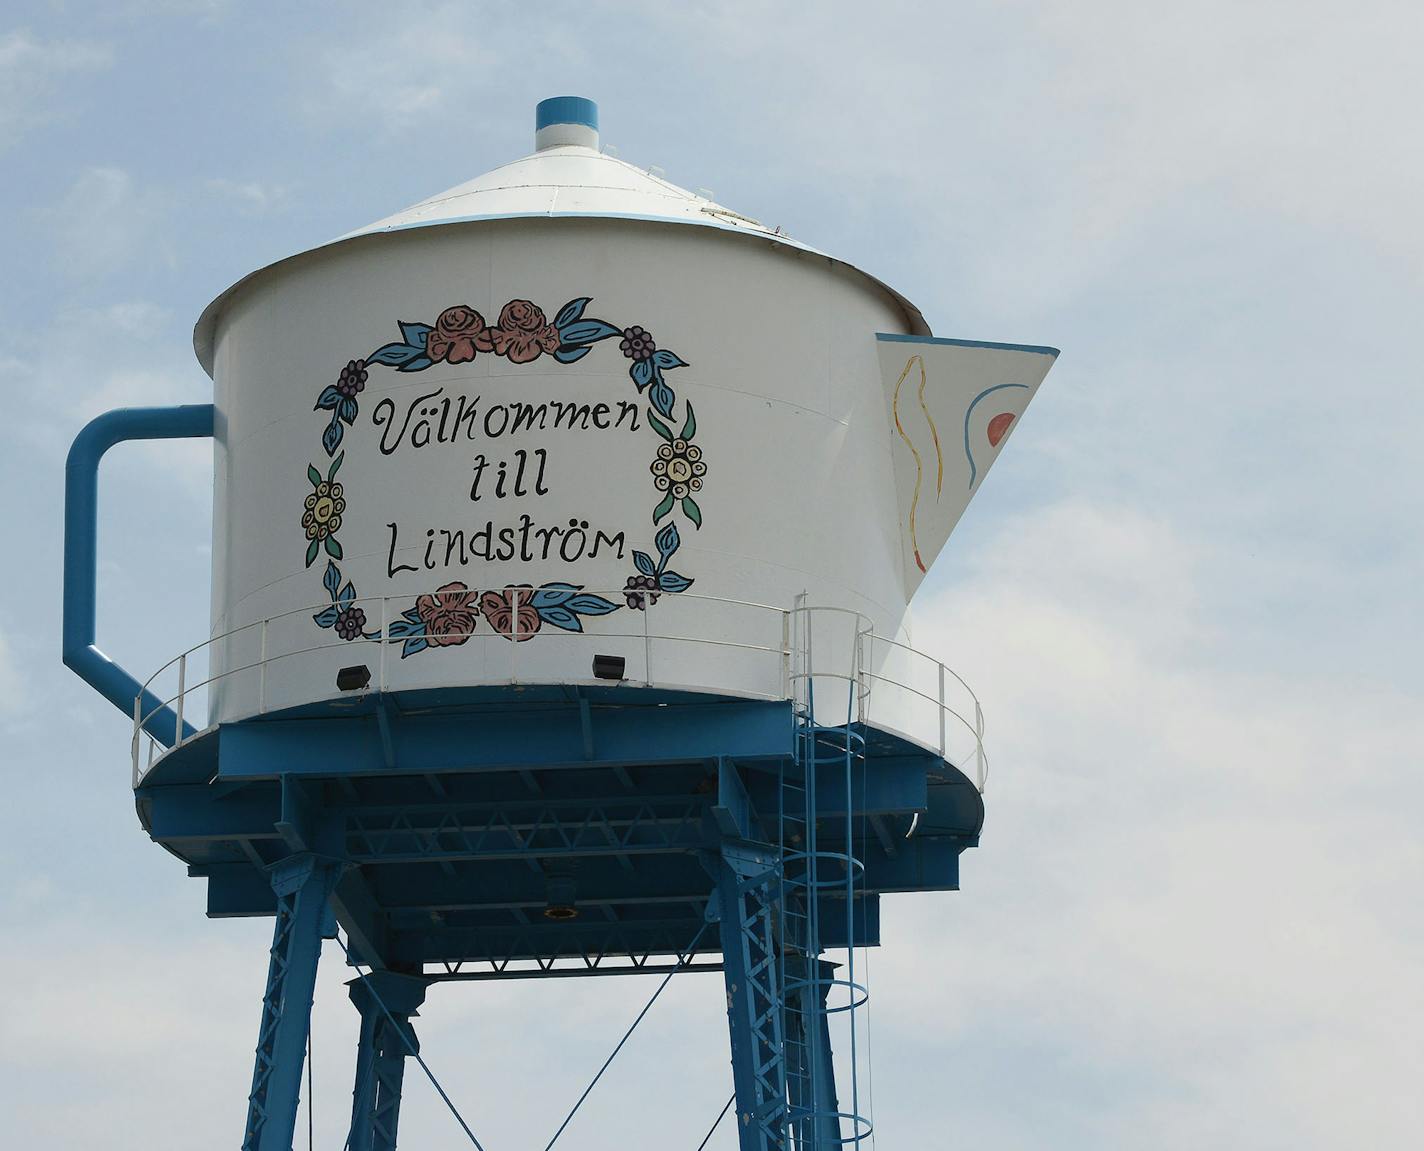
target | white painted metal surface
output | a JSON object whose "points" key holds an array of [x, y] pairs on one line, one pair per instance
{"points": [[501, 458]]}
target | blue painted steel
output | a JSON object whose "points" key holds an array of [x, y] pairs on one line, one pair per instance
{"points": [[566, 110], [747, 882], [302, 883], [508, 740], [901, 338], [363, 1093], [386, 1001], [81, 507]]}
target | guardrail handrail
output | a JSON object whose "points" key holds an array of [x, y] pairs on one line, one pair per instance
{"points": [[861, 675]]}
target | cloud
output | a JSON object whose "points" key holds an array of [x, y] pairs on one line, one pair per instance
{"points": [[252, 197], [106, 224], [33, 73], [1189, 875], [426, 77], [14, 698]]}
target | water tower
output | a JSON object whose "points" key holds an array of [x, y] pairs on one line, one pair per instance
{"points": [[564, 529]]}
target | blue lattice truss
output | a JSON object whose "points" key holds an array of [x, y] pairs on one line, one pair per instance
{"points": [[441, 830]]}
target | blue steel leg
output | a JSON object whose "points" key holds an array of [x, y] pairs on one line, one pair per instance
{"points": [[825, 1125], [302, 884], [363, 1095], [747, 886], [385, 1043]]}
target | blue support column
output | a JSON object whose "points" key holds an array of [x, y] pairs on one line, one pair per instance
{"points": [[823, 1121], [747, 887], [386, 1000], [363, 1095], [302, 884]]}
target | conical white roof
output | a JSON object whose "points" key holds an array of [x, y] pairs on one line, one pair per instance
{"points": [[567, 176], [571, 180]]}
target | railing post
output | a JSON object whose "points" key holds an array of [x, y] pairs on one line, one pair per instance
{"points": [[262, 672], [785, 654], [647, 646], [979, 765], [513, 634], [941, 711], [182, 688], [385, 607], [138, 731]]}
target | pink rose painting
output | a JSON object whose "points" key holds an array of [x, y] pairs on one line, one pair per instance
{"points": [[457, 334], [502, 609], [448, 615], [523, 332]]}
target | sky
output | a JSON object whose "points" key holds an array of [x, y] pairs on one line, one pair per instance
{"points": [[1188, 595]]}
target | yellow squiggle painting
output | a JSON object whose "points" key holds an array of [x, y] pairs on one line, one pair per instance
{"points": [[934, 431], [919, 467]]}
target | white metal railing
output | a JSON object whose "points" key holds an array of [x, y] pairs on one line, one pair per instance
{"points": [[895, 687]]}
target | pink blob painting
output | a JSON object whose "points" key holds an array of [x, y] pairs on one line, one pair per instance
{"points": [[999, 427]]}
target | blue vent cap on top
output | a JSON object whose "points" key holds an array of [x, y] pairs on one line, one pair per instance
{"points": [[566, 110]]}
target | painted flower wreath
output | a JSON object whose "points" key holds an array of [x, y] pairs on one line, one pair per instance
{"points": [[449, 616]]}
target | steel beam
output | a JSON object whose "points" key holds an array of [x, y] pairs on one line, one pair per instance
{"points": [[747, 883], [302, 884], [532, 739], [387, 1001]]}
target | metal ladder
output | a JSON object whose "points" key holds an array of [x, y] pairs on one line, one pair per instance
{"points": [[815, 877]]}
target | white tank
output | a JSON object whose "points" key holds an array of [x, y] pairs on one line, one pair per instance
{"points": [[564, 410]]}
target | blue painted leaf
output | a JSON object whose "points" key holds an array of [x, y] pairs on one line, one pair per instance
{"points": [[587, 332], [661, 428], [553, 594], [348, 593], [663, 508], [662, 398], [413, 614], [419, 364], [415, 334], [414, 644], [313, 475], [395, 354], [312, 549], [327, 616], [668, 542], [331, 438], [689, 425], [335, 464], [560, 617], [644, 563], [328, 399], [692, 511], [571, 311], [642, 373], [331, 580], [590, 604], [333, 547], [666, 359], [348, 411], [569, 355], [671, 581]]}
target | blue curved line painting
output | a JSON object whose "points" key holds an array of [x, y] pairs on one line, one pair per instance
{"points": [[993, 438]]}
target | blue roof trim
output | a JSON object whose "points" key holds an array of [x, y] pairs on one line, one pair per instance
{"points": [[81, 516], [566, 110], [897, 338]]}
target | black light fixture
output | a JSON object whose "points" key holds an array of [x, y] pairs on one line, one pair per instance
{"points": [[353, 678], [560, 893], [608, 666]]}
